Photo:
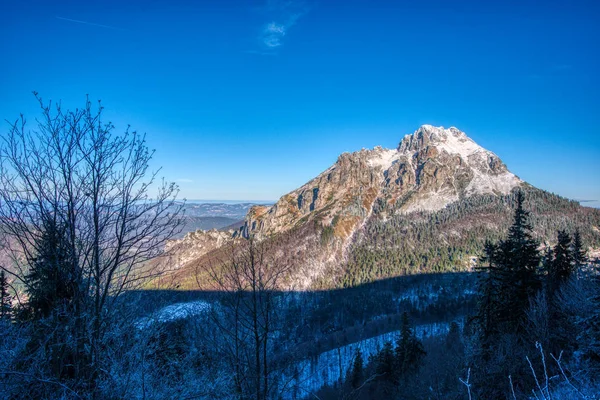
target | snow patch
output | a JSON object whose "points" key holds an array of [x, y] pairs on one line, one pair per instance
{"points": [[484, 183], [451, 140], [457, 142], [432, 202], [312, 374], [173, 312], [383, 158]]}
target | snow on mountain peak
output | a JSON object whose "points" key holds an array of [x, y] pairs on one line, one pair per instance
{"points": [[445, 151], [452, 140], [383, 158]]}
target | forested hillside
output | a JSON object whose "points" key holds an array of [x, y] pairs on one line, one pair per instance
{"points": [[451, 239]]}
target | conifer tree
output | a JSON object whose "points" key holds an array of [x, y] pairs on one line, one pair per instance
{"points": [[386, 384], [562, 265], [5, 298], [385, 363], [409, 350], [517, 260], [548, 268], [579, 253], [453, 340], [488, 291], [548, 260], [51, 281], [357, 373]]}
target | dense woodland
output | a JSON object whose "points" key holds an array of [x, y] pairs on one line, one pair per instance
{"points": [[74, 324], [446, 240]]}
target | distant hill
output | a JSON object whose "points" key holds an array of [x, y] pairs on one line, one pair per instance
{"points": [[192, 224], [213, 215]]}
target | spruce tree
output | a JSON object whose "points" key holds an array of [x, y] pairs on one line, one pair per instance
{"points": [[510, 277], [487, 308], [562, 266], [386, 384], [385, 363], [357, 373], [51, 282], [5, 298], [517, 260], [453, 339], [409, 350], [579, 253], [55, 306], [548, 260]]}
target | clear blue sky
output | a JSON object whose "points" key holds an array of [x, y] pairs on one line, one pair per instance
{"points": [[250, 99]]}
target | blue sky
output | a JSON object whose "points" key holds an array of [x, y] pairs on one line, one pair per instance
{"points": [[251, 99]]}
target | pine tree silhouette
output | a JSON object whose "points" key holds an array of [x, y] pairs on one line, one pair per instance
{"points": [[357, 373], [562, 266], [579, 253], [51, 282], [409, 350], [517, 261], [5, 298]]}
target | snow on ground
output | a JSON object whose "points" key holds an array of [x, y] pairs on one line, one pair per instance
{"points": [[173, 312], [484, 183], [431, 201], [313, 374]]}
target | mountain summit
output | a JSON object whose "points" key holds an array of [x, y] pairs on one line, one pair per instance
{"points": [[431, 168]]}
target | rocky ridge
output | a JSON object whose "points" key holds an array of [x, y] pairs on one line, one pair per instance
{"points": [[196, 244], [429, 169]]}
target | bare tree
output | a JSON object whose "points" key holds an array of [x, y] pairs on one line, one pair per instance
{"points": [[250, 283], [73, 172]]}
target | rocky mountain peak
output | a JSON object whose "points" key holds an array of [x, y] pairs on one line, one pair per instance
{"points": [[452, 140], [430, 169]]}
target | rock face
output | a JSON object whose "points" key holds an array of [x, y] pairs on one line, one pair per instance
{"points": [[430, 169], [196, 244]]}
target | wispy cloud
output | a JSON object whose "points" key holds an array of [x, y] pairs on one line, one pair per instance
{"points": [[185, 180], [284, 15], [89, 23], [273, 34]]}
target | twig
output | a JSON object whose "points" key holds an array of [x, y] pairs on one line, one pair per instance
{"points": [[562, 371], [512, 387], [466, 383], [537, 382], [538, 345]]}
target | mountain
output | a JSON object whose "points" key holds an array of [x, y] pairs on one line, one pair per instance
{"points": [[426, 206], [430, 169]]}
